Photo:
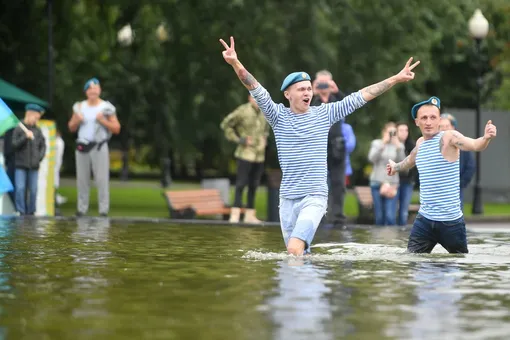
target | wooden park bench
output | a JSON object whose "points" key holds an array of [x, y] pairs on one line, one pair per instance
{"points": [[188, 204], [366, 206]]}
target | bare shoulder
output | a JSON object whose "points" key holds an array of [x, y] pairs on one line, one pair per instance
{"points": [[418, 143], [449, 134], [452, 137]]}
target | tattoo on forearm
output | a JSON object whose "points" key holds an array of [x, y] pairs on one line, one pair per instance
{"points": [[379, 88], [402, 166], [408, 162], [441, 143], [246, 78]]}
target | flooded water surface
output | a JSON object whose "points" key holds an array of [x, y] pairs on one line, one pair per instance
{"points": [[95, 279]]}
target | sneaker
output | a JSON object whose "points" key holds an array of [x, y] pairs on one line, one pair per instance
{"points": [[103, 214], [79, 214]]}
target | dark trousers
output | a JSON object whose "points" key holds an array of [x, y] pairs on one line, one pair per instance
{"points": [[426, 233], [337, 190], [248, 174]]}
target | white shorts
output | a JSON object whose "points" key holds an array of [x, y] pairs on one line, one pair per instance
{"points": [[300, 217]]}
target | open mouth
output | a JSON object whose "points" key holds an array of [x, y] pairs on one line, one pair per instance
{"points": [[307, 100]]}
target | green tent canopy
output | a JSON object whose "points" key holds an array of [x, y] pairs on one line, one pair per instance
{"points": [[17, 98]]}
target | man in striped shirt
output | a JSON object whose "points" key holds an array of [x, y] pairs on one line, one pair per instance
{"points": [[301, 134], [436, 155]]}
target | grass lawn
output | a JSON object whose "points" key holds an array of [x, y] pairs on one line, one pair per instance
{"points": [[144, 199]]}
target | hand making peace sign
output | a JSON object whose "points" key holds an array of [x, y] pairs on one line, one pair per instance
{"points": [[407, 72], [229, 54]]}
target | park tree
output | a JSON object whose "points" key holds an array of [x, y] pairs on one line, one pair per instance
{"points": [[172, 87]]}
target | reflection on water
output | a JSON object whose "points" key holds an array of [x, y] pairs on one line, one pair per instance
{"points": [[436, 302], [91, 278], [300, 307]]}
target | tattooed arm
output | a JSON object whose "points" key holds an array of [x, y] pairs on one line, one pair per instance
{"points": [[409, 162], [244, 76], [407, 74], [259, 93], [373, 91], [459, 141]]}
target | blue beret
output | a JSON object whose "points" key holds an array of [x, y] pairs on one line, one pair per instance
{"points": [[431, 101], [451, 118], [293, 78], [90, 82], [34, 107]]}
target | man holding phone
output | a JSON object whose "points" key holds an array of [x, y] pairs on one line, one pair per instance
{"points": [[325, 90]]}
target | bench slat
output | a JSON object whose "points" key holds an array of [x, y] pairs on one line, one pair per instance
{"points": [[200, 201], [193, 193], [213, 211], [203, 201]]}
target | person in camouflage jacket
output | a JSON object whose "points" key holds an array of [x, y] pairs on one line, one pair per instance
{"points": [[247, 127]]}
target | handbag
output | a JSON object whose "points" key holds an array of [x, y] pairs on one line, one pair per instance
{"points": [[85, 146], [387, 190]]}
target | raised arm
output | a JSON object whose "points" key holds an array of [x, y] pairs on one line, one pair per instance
{"points": [[230, 57], [458, 140], [354, 101], [259, 93], [375, 90]]}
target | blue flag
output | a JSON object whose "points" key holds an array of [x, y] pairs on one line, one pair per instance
{"points": [[5, 182], [8, 119]]}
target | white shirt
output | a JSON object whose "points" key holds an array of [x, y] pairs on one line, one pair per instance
{"points": [[302, 141], [90, 129]]}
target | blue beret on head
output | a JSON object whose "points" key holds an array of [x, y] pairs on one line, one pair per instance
{"points": [[431, 101], [34, 107], [451, 118], [293, 78], [90, 82]]}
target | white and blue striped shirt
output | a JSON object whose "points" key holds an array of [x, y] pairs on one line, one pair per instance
{"points": [[439, 182], [302, 141]]}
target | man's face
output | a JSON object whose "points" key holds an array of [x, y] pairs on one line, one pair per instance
{"points": [[321, 80], [445, 124], [94, 91], [299, 96], [427, 119], [33, 116], [402, 132]]}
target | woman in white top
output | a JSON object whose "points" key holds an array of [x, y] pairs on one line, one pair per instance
{"points": [[384, 187], [95, 120]]}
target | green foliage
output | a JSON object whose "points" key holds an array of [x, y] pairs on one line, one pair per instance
{"points": [[172, 94]]}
